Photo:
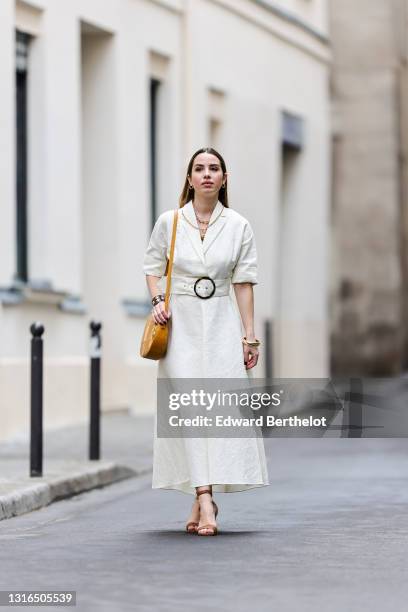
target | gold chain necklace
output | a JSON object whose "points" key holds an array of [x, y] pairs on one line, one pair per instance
{"points": [[196, 226], [202, 231]]}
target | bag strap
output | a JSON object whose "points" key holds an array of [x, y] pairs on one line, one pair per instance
{"points": [[170, 260]]}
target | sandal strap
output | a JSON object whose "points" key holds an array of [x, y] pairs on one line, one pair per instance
{"points": [[201, 492], [213, 527]]}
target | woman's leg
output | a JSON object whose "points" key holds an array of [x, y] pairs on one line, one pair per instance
{"points": [[194, 517], [207, 514]]}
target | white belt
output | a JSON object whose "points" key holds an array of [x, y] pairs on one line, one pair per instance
{"points": [[204, 286]]}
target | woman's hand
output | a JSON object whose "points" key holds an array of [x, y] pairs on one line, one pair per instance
{"points": [[159, 313], [251, 354]]}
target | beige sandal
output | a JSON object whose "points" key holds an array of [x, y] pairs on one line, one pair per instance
{"points": [[214, 528], [191, 526]]}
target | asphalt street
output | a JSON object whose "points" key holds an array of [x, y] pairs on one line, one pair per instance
{"points": [[329, 533]]}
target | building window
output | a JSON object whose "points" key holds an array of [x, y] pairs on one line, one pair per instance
{"points": [[22, 49], [216, 114], [292, 131], [154, 91], [215, 134]]}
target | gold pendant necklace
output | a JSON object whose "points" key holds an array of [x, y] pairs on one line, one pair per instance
{"points": [[209, 224], [204, 229]]}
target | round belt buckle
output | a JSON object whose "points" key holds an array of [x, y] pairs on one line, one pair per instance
{"points": [[204, 287]]}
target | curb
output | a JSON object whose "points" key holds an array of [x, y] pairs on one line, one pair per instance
{"points": [[42, 494]]}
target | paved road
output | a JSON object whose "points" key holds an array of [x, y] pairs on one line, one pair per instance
{"points": [[330, 533]]}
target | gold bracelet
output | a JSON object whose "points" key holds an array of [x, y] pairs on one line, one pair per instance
{"points": [[256, 343]]}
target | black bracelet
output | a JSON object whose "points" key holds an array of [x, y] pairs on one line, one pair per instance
{"points": [[158, 298]]}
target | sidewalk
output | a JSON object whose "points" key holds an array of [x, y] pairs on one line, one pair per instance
{"points": [[126, 452]]}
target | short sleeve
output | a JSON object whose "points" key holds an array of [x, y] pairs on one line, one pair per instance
{"points": [[246, 268], [155, 258]]}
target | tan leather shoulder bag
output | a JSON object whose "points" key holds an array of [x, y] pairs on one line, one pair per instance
{"points": [[155, 335]]}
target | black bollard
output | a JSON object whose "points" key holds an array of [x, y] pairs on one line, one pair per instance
{"points": [[352, 426], [36, 430], [268, 348], [95, 385], [354, 412]]}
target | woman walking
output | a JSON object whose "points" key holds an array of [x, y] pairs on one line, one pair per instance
{"points": [[205, 337]]}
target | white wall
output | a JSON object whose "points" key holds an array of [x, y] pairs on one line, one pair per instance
{"points": [[89, 177]]}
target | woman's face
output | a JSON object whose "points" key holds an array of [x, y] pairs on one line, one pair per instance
{"points": [[206, 174]]}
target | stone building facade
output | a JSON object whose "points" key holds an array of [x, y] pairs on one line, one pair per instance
{"points": [[369, 281]]}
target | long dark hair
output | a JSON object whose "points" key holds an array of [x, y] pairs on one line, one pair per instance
{"points": [[188, 193]]}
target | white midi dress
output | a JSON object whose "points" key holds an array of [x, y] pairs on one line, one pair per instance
{"points": [[205, 342]]}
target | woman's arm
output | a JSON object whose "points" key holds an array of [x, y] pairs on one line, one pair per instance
{"points": [[244, 293], [154, 266], [159, 314], [245, 299], [152, 283]]}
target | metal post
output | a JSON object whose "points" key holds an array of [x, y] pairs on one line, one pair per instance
{"points": [[36, 430], [268, 335], [95, 355], [353, 412]]}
